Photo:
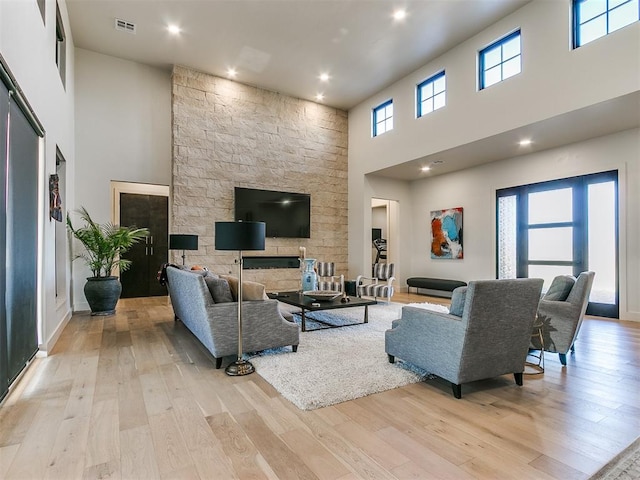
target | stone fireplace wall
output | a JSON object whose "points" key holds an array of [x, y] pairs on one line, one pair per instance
{"points": [[226, 135]]}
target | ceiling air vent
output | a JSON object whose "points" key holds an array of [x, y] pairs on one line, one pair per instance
{"points": [[125, 26]]}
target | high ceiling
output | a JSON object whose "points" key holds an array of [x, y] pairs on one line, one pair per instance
{"points": [[284, 45]]}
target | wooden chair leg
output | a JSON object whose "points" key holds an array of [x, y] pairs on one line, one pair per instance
{"points": [[518, 378], [457, 390]]}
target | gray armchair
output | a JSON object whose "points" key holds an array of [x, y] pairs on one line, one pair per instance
{"points": [[560, 313], [489, 339]]}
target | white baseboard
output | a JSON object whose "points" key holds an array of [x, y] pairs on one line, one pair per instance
{"points": [[53, 338], [632, 316]]}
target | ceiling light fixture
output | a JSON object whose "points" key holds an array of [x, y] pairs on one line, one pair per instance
{"points": [[426, 169], [320, 96], [174, 29], [526, 142], [399, 14], [324, 77], [232, 72]]}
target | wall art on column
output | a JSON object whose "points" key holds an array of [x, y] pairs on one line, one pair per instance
{"points": [[446, 233], [55, 202]]}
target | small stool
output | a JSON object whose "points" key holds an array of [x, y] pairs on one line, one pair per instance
{"points": [[350, 288]]}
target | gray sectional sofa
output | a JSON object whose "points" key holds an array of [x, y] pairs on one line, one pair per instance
{"points": [[216, 324]]}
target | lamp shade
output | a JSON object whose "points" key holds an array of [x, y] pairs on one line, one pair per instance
{"points": [[240, 235], [183, 242]]}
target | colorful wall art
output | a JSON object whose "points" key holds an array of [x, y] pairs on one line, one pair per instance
{"points": [[446, 233]]}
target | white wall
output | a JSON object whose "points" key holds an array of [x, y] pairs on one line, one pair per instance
{"points": [[28, 45], [474, 189], [123, 132], [555, 80]]}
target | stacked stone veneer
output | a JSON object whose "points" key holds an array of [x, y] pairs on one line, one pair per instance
{"points": [[226, 135]]}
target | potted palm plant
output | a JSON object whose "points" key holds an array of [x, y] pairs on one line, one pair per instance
{"points": [[104, 245]]}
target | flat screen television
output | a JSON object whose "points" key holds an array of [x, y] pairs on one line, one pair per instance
{"points": [[287, 215]]}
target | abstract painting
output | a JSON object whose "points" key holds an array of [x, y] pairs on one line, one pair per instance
{"points": [[446, 233]]}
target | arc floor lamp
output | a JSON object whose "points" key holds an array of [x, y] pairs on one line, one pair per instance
{"points": [[240, 236]]}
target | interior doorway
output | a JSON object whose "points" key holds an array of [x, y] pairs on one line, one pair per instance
{"points": [[143, 206], [384, 230]]}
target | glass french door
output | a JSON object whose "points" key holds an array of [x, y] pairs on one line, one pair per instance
{"points": [[562, 227]]}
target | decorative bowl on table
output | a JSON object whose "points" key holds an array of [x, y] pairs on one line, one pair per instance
{"points": [[322, 295]]}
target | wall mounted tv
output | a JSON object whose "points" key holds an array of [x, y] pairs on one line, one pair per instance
{"points": [[286, 214]]}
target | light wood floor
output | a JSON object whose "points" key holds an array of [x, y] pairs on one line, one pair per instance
{"points": [[134, 396]]}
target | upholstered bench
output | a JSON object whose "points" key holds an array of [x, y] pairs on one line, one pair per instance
{"points": [[438, 287]]}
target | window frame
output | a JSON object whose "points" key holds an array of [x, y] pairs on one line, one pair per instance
{"points": [[375, 111], [579, 223], [61, 47], [419, 100], [499, 42], [575, 18]]}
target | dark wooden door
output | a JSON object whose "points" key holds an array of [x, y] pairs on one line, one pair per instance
{"points": [[152, 212]]}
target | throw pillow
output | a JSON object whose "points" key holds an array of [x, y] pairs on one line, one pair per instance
{"points": [[197, 272], [219, 289], [560, 288], [250, 290], [458, 298]]}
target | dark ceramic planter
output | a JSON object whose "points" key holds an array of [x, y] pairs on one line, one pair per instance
{"points": [[102, 294]]}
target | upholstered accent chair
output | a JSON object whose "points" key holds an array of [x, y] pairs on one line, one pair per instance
{"points": [[380, 284], [560, 314], [490, 337], [327, 278]]}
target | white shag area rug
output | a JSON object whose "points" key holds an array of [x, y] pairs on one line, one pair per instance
{"points": [[339, 364]]}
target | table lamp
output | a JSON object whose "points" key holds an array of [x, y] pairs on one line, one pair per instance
{"points": [[183, 242], [240, 236]]}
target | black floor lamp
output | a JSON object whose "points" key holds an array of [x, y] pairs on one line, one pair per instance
{"points": [[183, 242], [240, 236]]}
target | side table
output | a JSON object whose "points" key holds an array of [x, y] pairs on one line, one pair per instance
{"points": [[536, 367]]}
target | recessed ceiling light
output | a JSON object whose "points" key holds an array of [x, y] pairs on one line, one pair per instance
{"points": [[174, 29], [324, 77], [399, 14], [526, 142], [426, 169], [232, 72], [320, 96]]}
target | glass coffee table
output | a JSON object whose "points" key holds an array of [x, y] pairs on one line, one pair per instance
{"points": [[308, 304]]}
